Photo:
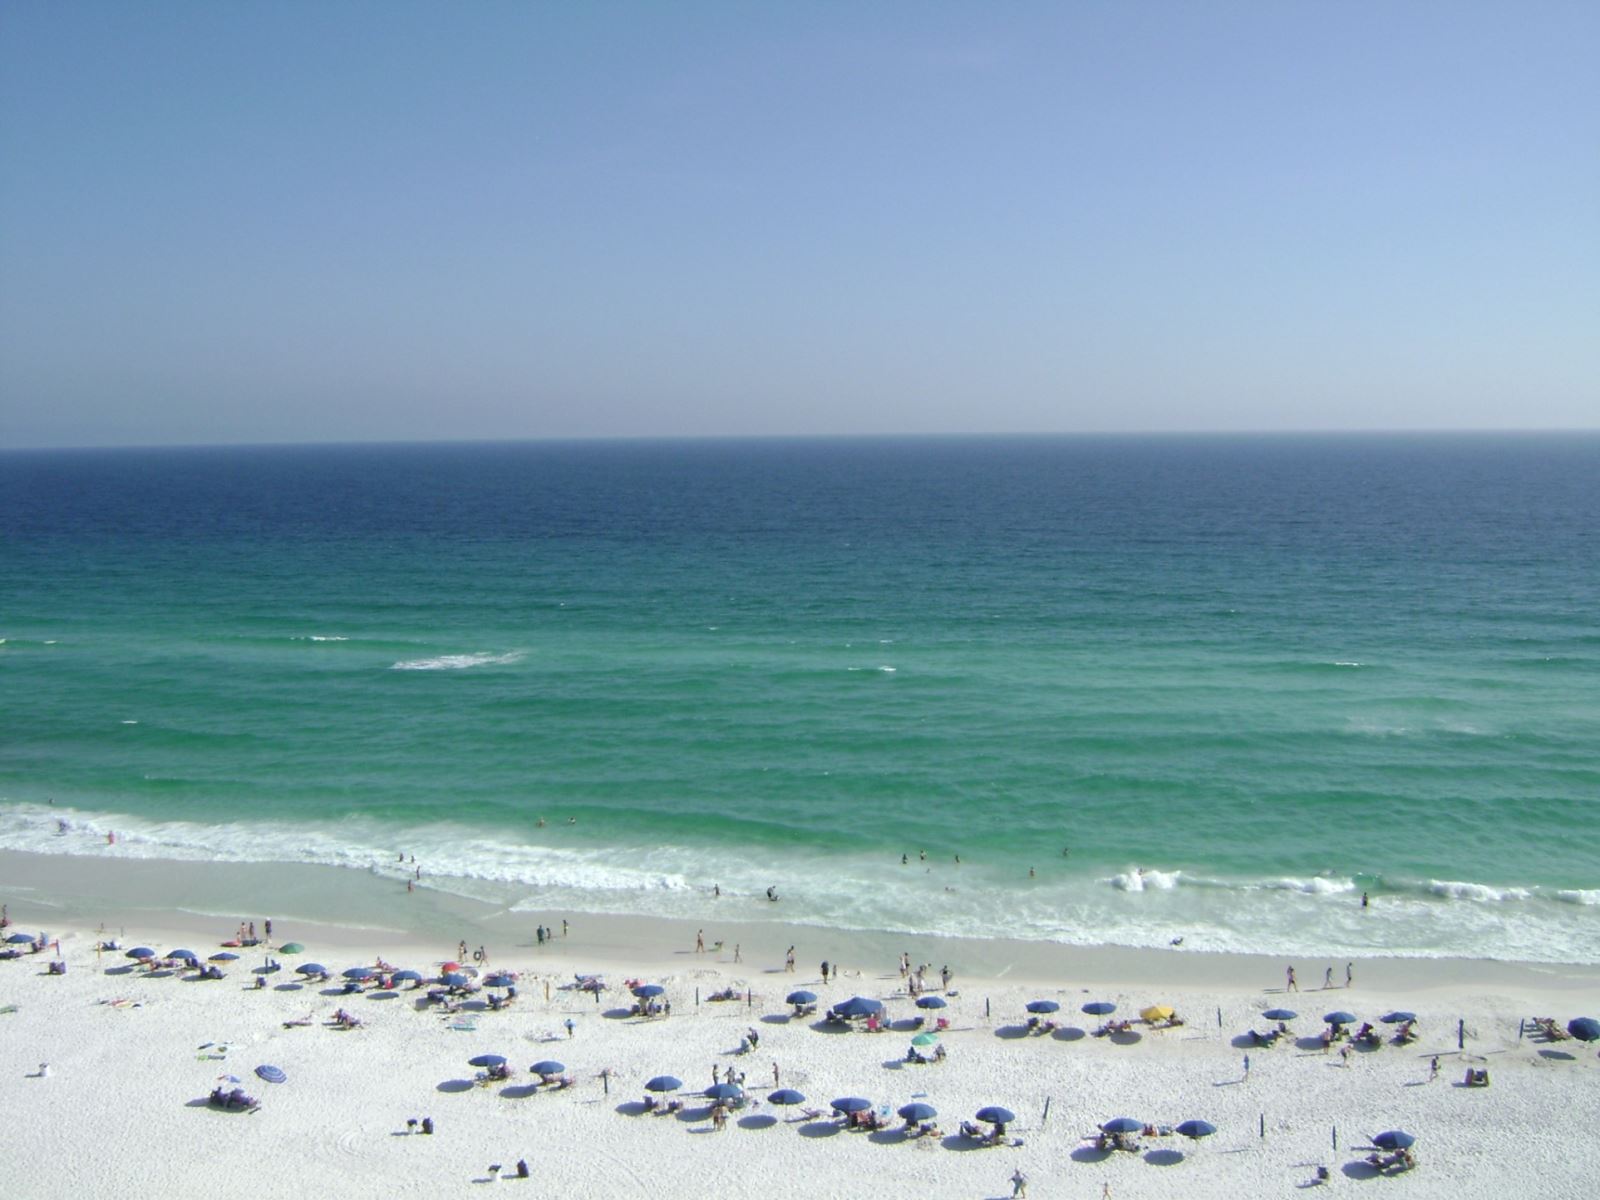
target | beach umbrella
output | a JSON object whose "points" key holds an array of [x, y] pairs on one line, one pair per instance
{"points": [[18, 939], [312, 969], [1339, 1018], [1197, 1129], [1585, 1029], [995, 1115], [136, 952], [918, 1111], [225, 956], [413, 976], [850, 1104], [291, 948], [186, 955], [359, 972], [1280, 1014], [454, 979], [1393, 1139], [270, 1073], [499, 981], [1397, 1017], [925, 1039], [1123, 1125], [664, 1083], [724, 1091], [859, 1006], [933, 1002], [800, 998], [548, 1066], [647, 991], [449, 966], [1099, 1008], [487, 1060], [786, 1096], [1043, 1006], [1157, 1012]]}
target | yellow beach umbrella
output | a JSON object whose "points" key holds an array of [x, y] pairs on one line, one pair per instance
{"points": [[1157, 1012]]}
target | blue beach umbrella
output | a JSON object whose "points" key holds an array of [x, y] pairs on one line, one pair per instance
{"points": [[1394, 1139], [850, 1104], [724, 1091], [664, 1083], [270, 1073], [18, 939], [487, 1060], [225, 956], [1196, 1129], [1043, 1006], [918, 1111], [800, 998], [1123, 1125], [859, 1006], [548, 1066], [1100, 1008], [1339, 1018], [995, 1115], [140, 952], [312, 969], [186, 955], [1280, 1014], [1585, 1029], [499, 981], [454, 979], [1397, 1017], [930, 1002], [410, 976], [647, 991], [786, 1096], [358, 973]]}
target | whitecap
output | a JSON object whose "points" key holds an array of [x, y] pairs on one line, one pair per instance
{"points": [[1142, 879], [1455, 889], [130, 722], [458, 662], [1590, 896]]}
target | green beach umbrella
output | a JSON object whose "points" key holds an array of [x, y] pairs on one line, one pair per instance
{"points": [[291, 948], [925, 1039]]}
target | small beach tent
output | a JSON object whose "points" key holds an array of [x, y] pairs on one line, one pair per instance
{"points": [[1157, 1012], [859, 1006]]}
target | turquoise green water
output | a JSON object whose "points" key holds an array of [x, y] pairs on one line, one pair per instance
{"points": [[1240, 681]]}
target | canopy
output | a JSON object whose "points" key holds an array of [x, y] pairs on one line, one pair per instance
{"points": [[918, 1111], [1122, 1125], [1043, 1006], [1397, 1017], [548, 1066], [487, 1060], [995, 1115], [786, 1096], [859, 1006], [852, 1104], [1585, 1029], [1196, 1129], [312, 969], [930, 1002], [724, 1091], [664, 1083], [291, 948], [359, 972], [1100, 1008], [646, 990], [270, 1073], [136, 952], [1157, 1012], [1280, 1014], [1339, 1018], [800, 998], [1393, 1139]]}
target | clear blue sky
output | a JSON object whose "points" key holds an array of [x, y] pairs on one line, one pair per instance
{"points": [[339, 220]]}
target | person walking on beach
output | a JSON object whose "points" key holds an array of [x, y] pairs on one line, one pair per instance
{"points": [[571, 1025], [1019, 1183], [1247, 1067], [1433, 1070], [736, 957], [1291, 985], [788, 962], [1327, 979], [824, 970], [1349, 973], [700, 941]]}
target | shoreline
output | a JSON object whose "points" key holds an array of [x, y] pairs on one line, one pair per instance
{"points": [[359, 911]]}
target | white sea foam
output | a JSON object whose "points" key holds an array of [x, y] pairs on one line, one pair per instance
{"points": [[1590, 896], [1142, 879], [1316, 885], [1458, 890], [459, 662], [1347, 664], [130, 721]]}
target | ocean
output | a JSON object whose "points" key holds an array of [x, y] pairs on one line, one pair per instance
{"points": [[1073, 689]]}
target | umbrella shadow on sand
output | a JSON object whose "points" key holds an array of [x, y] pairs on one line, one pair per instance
{"points": [[819, 1129], [519, 1091], [758, 1121], [1091, 1154], [1128, 1037], [455, 1086], [1011, 1031], [775, 1019], [887, 1137], [617, 1014], [1069, 1033], [1164, 1158], [631, 1108]]}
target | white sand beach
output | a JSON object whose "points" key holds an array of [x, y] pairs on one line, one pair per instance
{"points": [[133, 1054]]}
